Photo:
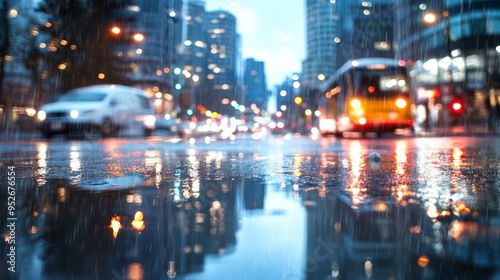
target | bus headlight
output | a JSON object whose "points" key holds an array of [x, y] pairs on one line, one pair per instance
{"points": [[345, 121], [355, 103], [401, 103], [326, 124]]}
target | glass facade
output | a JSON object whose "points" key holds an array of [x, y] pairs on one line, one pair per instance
{"points": [[195, 54], [222, 44], [322, 27], [255, 90], [160, 24], [152, 58], [453, 46], [366, 30]]}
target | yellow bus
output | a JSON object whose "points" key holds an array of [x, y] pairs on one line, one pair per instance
{"points": [[366, 95]]}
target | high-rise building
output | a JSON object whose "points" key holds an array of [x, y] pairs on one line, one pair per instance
{"points": [[366, 30], [195, 55], [322, 29], [287, 109], [255, 85], [156, 29], [338, 31], [222, 87], [453, 46]]}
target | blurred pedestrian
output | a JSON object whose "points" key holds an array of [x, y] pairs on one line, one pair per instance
{"points": [[493, 107]]}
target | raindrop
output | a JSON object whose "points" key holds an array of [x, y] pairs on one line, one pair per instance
{"points": [[374, 157]]}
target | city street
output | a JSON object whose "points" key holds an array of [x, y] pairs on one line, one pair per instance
{"points": [[278, 207], [249, 140]]}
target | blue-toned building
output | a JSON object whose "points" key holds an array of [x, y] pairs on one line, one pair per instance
{"points": [[255, 85], [338, 31], [195, 55], [366, 29], [322, 33], [222, 60], [153, 59], [453, 46]]}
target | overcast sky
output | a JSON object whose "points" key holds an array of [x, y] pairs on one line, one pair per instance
{"points": [[272, 31]]}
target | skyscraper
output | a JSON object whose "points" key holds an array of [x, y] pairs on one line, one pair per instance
{"points": [[195, 54], [322, 29], [255, 85], [153, 56], [222, 41], [148, 53], [366, 30]]}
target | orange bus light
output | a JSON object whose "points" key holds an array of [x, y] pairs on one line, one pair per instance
{"points": [[355, 103], [401, 103]]}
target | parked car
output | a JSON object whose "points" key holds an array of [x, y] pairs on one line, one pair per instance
{"points": [[105, 109]]}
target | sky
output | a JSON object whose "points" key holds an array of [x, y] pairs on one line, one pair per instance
{"points": [[272, 31]]}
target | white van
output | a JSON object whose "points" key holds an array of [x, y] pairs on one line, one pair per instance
{"points": [[106, 109]]}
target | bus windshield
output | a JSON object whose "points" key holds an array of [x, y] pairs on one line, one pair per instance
{"points": [[378, 84]]}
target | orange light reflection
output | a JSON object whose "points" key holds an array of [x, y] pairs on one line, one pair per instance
{"points": [[116, 225], [138, 222]]}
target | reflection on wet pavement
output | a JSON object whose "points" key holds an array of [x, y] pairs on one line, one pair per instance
{"points": [[324, 213]]}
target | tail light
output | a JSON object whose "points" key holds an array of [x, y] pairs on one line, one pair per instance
{"points": [[457, 106]]}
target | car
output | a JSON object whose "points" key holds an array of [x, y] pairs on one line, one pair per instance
{"points": [[105, 109]]}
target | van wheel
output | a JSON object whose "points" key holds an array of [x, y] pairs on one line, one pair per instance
{"points": [[148, 132], [108, 129]]}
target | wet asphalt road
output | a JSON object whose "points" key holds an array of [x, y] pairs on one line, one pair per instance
{"points": [[272, 208]]}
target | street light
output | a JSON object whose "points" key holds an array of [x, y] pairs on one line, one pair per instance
{"points": [[298, 100], [116, 30], [138, 37], [431, 18]]}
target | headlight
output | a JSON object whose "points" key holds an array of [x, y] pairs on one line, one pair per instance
{"points": [[356, 104], [401, 103], [73, 114], [41, 115], [326, 124], [345, 121], [149, 121]]}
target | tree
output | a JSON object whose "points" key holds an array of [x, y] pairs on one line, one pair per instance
{"points": [[5, 43], [4, 38], [80, 47]]}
